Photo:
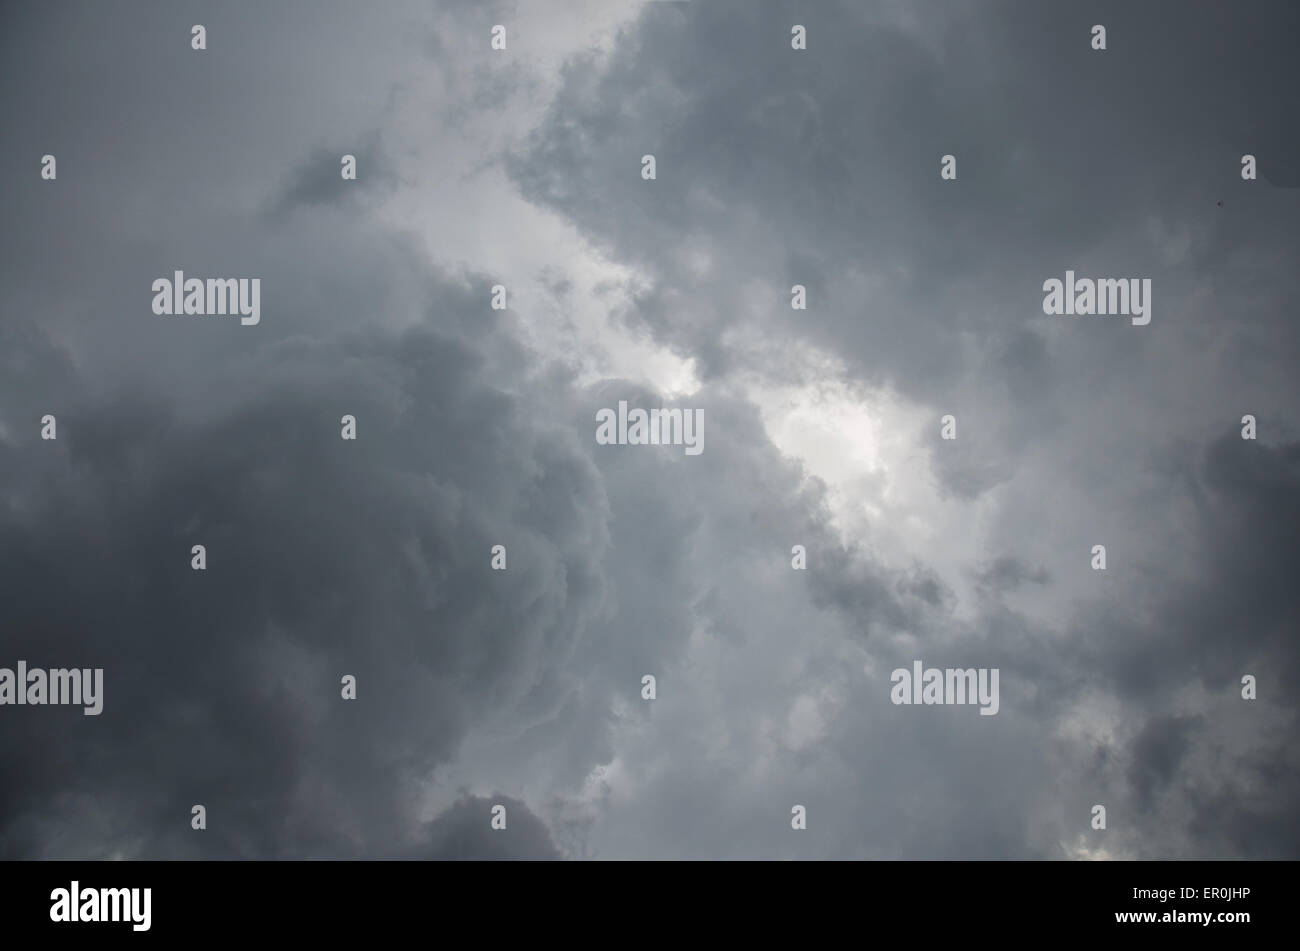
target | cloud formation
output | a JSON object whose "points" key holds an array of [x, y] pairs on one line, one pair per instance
{"points": [[476, 428]]}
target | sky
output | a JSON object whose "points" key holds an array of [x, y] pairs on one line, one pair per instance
{"points": [[476, 427]]}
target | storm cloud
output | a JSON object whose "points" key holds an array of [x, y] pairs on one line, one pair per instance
{"points": [[521, 168]]}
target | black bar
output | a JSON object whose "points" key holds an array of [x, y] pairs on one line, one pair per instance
{"points": [[335, 900]]}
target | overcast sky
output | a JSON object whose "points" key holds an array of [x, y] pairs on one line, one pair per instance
{"points": [[476, 427]]}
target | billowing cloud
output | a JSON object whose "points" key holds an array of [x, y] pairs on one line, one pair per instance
{"points": [[476, 427]]}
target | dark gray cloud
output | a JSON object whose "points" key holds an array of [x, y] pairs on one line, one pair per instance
{"points": [[476, 427], [463, 833], [1008, 573], [796, 172], [822, 169], [223, 686], [319, 180], [1157, 754]]}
